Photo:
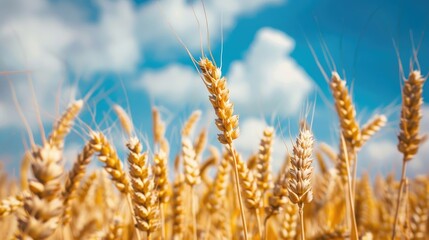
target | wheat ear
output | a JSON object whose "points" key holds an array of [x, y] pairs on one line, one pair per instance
{"points": [[160, 172], [85, 186], [226, 121], [190, 123], [158, 127], [10, 205], [219, 186], [63, 126], [409, 138], [200, 143], [346, 111], [263, 176], [43, 206], [178, 207], [249, 188], [374, 125], [301, 171], [74, 177], [144, 195], [192, 175], [277, 200], [124, 119], [112, 164]]}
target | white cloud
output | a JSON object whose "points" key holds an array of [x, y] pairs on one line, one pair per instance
{"points": [[180, 15], [174, 85], [40, 40], [52, 38], [268, 80]]}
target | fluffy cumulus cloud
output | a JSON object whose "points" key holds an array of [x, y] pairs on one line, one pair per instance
{"points": [[186, 18], [54, 38], [268, 80], [174, 85]]}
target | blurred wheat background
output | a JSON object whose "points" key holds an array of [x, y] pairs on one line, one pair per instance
{"points": [[296, 119]]}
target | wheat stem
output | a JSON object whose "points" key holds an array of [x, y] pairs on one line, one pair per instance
{"points": [[301, 219], [398, 200], [237, 188], [163, 229], [194, 213], [130, 205], [354, 233], [258, 222]]}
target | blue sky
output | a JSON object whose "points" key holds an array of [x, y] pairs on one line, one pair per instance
{"points": [[129, 55]]}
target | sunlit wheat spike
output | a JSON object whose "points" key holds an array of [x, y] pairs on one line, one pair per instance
{"points": [[411, 115], [300, 189], [226, 122], [74, 177], [190, 123], [346, 111], [144, 195], [124, 119], [112, 164], [158, 126], [10, 205], [191, 164], [288, 230], [43, 205], [279, 197], [200, 142], [160, 172], [83, 190], [63, 126], [249, 188], [263, 175], [374, 125], [115, 230], [219, 186], [178, 206]]}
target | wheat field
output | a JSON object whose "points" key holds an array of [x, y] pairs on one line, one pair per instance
{"points": [[141, 198]]}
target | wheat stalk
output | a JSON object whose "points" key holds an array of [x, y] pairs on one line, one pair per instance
{"points": [[226, 121], [409, 138]]}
